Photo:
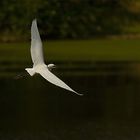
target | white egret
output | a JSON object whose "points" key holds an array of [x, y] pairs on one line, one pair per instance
{"points": [[39, 66]]}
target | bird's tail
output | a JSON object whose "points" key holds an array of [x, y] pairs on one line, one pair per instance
{"points": [[30, 71]]}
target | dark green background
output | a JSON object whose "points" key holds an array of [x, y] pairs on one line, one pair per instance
{"points": [[71, 19]]}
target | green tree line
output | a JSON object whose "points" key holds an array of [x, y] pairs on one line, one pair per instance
{"points": [[62, 19]]}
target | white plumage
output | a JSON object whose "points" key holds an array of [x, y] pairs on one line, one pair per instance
{"points": [[38, 60], [36, 45]]}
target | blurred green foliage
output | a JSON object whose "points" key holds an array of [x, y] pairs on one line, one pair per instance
{"points": [[99, 50], [59, 19]]}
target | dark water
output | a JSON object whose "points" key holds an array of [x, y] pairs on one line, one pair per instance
{"points": [[31, 108]]}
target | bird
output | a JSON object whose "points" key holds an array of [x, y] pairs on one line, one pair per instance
{"points": [[39, 66]]}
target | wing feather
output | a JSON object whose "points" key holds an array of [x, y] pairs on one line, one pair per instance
{"points": [[44, 72], [36, 45]]}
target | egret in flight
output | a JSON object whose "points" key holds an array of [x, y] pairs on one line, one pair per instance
{"points": [[39, 66]]}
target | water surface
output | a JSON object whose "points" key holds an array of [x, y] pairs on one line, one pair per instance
{"points": [[32, 108]]}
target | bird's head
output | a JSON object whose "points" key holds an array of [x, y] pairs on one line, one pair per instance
{"points": [[51, 66]]}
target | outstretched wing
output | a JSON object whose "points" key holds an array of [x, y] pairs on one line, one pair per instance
{"points": [[36, 45], [44, 72]]}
